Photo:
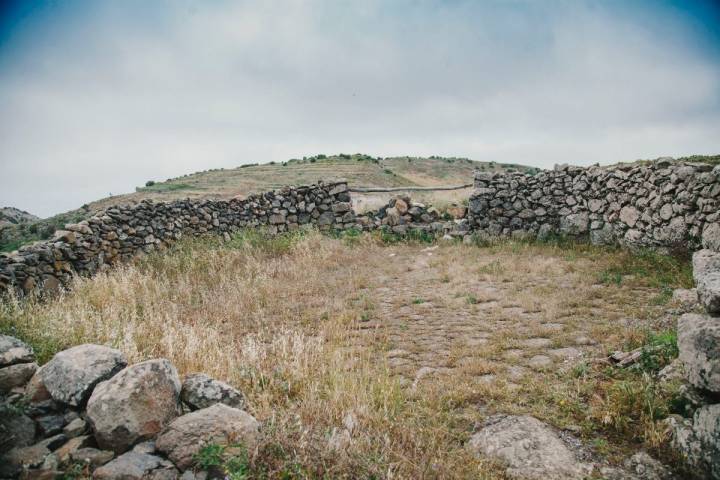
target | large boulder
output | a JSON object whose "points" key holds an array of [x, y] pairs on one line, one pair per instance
{"points": [[699, 440], [705, 262], [711, 236], [72, 374], [20, 458], [134, 405], [135, 466], [16, 430], [14, 351], [706, 272], [201, 391], [708, 290], [699, 347], [640, 466], [218, 424], [16, 375], [529, 448], [603, 236]]}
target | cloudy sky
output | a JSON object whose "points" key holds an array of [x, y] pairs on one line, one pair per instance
{"points": [[97, 97]]}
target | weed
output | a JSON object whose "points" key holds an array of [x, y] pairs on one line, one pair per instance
{"points": [[609, 278], [664, 296], [492, 268], [658, 351], [389, 237], [75, 471], [210, 455], [237, 467]]}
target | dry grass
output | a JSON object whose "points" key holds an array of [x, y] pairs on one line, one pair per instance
{"points": [[302, 325]]}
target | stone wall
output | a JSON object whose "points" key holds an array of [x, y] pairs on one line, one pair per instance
{"points": [[659, 205], [697, 434], [122, 233]]}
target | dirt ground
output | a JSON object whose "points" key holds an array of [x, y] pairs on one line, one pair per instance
{"points": [[451, 312], [417, 343]]}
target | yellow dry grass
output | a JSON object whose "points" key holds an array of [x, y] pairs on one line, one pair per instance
{"points": [[302, 326]]}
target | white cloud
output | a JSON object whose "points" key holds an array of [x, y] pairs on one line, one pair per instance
{"points": [[102, 98]]}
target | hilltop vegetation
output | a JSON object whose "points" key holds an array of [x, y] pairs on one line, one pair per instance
{"points": [[357, 169]]}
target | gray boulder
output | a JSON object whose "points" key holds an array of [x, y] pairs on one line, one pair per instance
{"points": [[219, 424], [687, 298], [674, 234], [201, 391], [16, 431], [640, 466], [35, 391], [699, 347], [134, 466], [72, 374], [708, 289], [699, 440], [643, 466], [529, 448], [92, 456], [14, 351], [134, 405], [16, 375], [19, 458], [711, 237], [705, 262], [603, 236], [629, 216], [574, 224], [706, 272]]}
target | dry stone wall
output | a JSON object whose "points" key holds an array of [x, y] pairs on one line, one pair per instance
{"points": [[697, 436], [664, 205], [122, 233]]}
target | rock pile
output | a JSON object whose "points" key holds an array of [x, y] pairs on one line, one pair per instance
{"points": [[402, 215], [698, 438], [660, 205], [122, 233], [87, 407]]}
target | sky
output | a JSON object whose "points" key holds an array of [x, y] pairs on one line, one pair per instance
{"points": [[97, 97]]}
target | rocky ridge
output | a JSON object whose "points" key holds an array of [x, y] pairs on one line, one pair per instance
{"points": [[14, 216]]}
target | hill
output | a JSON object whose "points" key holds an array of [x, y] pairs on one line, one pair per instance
{"points": [[14, 216], [358, 169]]}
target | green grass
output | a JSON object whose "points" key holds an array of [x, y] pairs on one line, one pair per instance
{"points": [[656, 270], [387, 236], [209, 456], [231, 460], [658, 350]]}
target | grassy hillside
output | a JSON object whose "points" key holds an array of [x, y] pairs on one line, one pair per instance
{"points": [[357, 169]]}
